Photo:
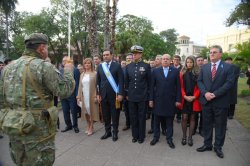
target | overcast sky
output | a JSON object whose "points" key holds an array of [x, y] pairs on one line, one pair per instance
{"points": [[194, 18]]}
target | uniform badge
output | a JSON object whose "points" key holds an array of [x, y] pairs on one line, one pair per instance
{"points": [[141, 69]]}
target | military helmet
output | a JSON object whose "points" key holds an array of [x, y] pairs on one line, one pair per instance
{"points": [[36, 38], [136, 48]]}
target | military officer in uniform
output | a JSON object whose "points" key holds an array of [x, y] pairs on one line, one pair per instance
{"points": [[137, 80], [29, 84]]}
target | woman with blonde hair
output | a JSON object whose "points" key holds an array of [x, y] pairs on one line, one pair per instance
{"points": [[190, 105], [87, 95]]}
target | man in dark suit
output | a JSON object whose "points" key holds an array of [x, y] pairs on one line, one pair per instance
{"points": [[215, 81], [165, 96], [125, 101], [109, 95], [234, 90], [137, 81], [177, 65], [69, 105]]}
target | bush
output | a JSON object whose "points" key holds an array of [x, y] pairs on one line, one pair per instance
{"points": [[245, 93]]}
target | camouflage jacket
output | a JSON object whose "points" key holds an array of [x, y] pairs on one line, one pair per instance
{"points": [[47, 77]]}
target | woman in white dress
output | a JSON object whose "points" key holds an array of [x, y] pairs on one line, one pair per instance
{"points": [[87, 95]]}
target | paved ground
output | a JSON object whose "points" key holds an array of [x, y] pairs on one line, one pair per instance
{"points": [[82, 150]]}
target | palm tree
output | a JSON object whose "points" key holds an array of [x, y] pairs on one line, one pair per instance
{"points": [[113, 25], [106, 25], [7, 6], [90, 17]]}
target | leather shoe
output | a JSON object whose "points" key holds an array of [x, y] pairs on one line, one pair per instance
{"points": [[76, 130], [219, 153], [106, 135], [66, 129], [171, 144], [114, 137], [140, 141], [125, 128], [134, 140], [204, 148], [153, 142], [150, 131], [1, 136], [190, 142]]}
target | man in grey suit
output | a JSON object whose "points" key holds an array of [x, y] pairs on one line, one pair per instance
{"points": [[215, 81]]}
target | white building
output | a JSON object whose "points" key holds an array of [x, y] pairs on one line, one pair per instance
{"points": [[229, 39], [185, 47]]}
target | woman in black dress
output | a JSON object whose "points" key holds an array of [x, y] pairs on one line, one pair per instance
{"points": [[190, 97]]}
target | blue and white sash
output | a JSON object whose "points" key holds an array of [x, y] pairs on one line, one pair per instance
{"points": [[110, 77]]}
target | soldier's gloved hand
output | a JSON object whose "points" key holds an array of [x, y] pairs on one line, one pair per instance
{"points": [[45, 115]]}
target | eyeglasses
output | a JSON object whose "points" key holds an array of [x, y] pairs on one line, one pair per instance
{"points": [[214, 52]]}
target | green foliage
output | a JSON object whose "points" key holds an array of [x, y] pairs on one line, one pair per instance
{"points": [[170, 38], [244, 51], [133, 30], [18, 46], [133, 24], [245, 93], [153, 45], [240, 15], [7, 6], [205, 52], [124, 41], [52, 21]]}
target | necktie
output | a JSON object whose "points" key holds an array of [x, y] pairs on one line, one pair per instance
{"points": [[108, 64], [213, 71]]}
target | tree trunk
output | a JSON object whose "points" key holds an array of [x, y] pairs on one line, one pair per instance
{"points": [[7, 36], [90, 17], [106, 26], [113, 25]]}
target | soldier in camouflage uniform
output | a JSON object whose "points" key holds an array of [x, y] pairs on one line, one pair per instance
{"points": [[37, 147]]}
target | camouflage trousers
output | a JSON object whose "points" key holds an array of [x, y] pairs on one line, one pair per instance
{"points": [[32, 154]]}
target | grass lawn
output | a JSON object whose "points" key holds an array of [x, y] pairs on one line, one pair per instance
{"points": [[243, 107]]}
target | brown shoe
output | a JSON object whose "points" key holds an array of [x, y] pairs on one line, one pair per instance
{"points": [[125, 128]]}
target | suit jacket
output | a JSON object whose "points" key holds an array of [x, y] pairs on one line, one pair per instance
{"points": [[220, 86], [165, 92], [137, 81], [94, 112], [103, 86], [76, 78], [233, 95], [248, 75]]}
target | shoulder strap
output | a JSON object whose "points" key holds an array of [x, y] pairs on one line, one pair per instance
{"points": [[36, 87], [24, 83]]}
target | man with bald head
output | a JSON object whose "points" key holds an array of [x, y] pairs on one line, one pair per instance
{"points": [[165, 96]]}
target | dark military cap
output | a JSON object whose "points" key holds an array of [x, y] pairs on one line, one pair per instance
{"points": [[136, 48], [36, 38]]}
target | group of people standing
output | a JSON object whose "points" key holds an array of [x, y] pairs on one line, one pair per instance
{"points": [[105, 86], [197, 92]]}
